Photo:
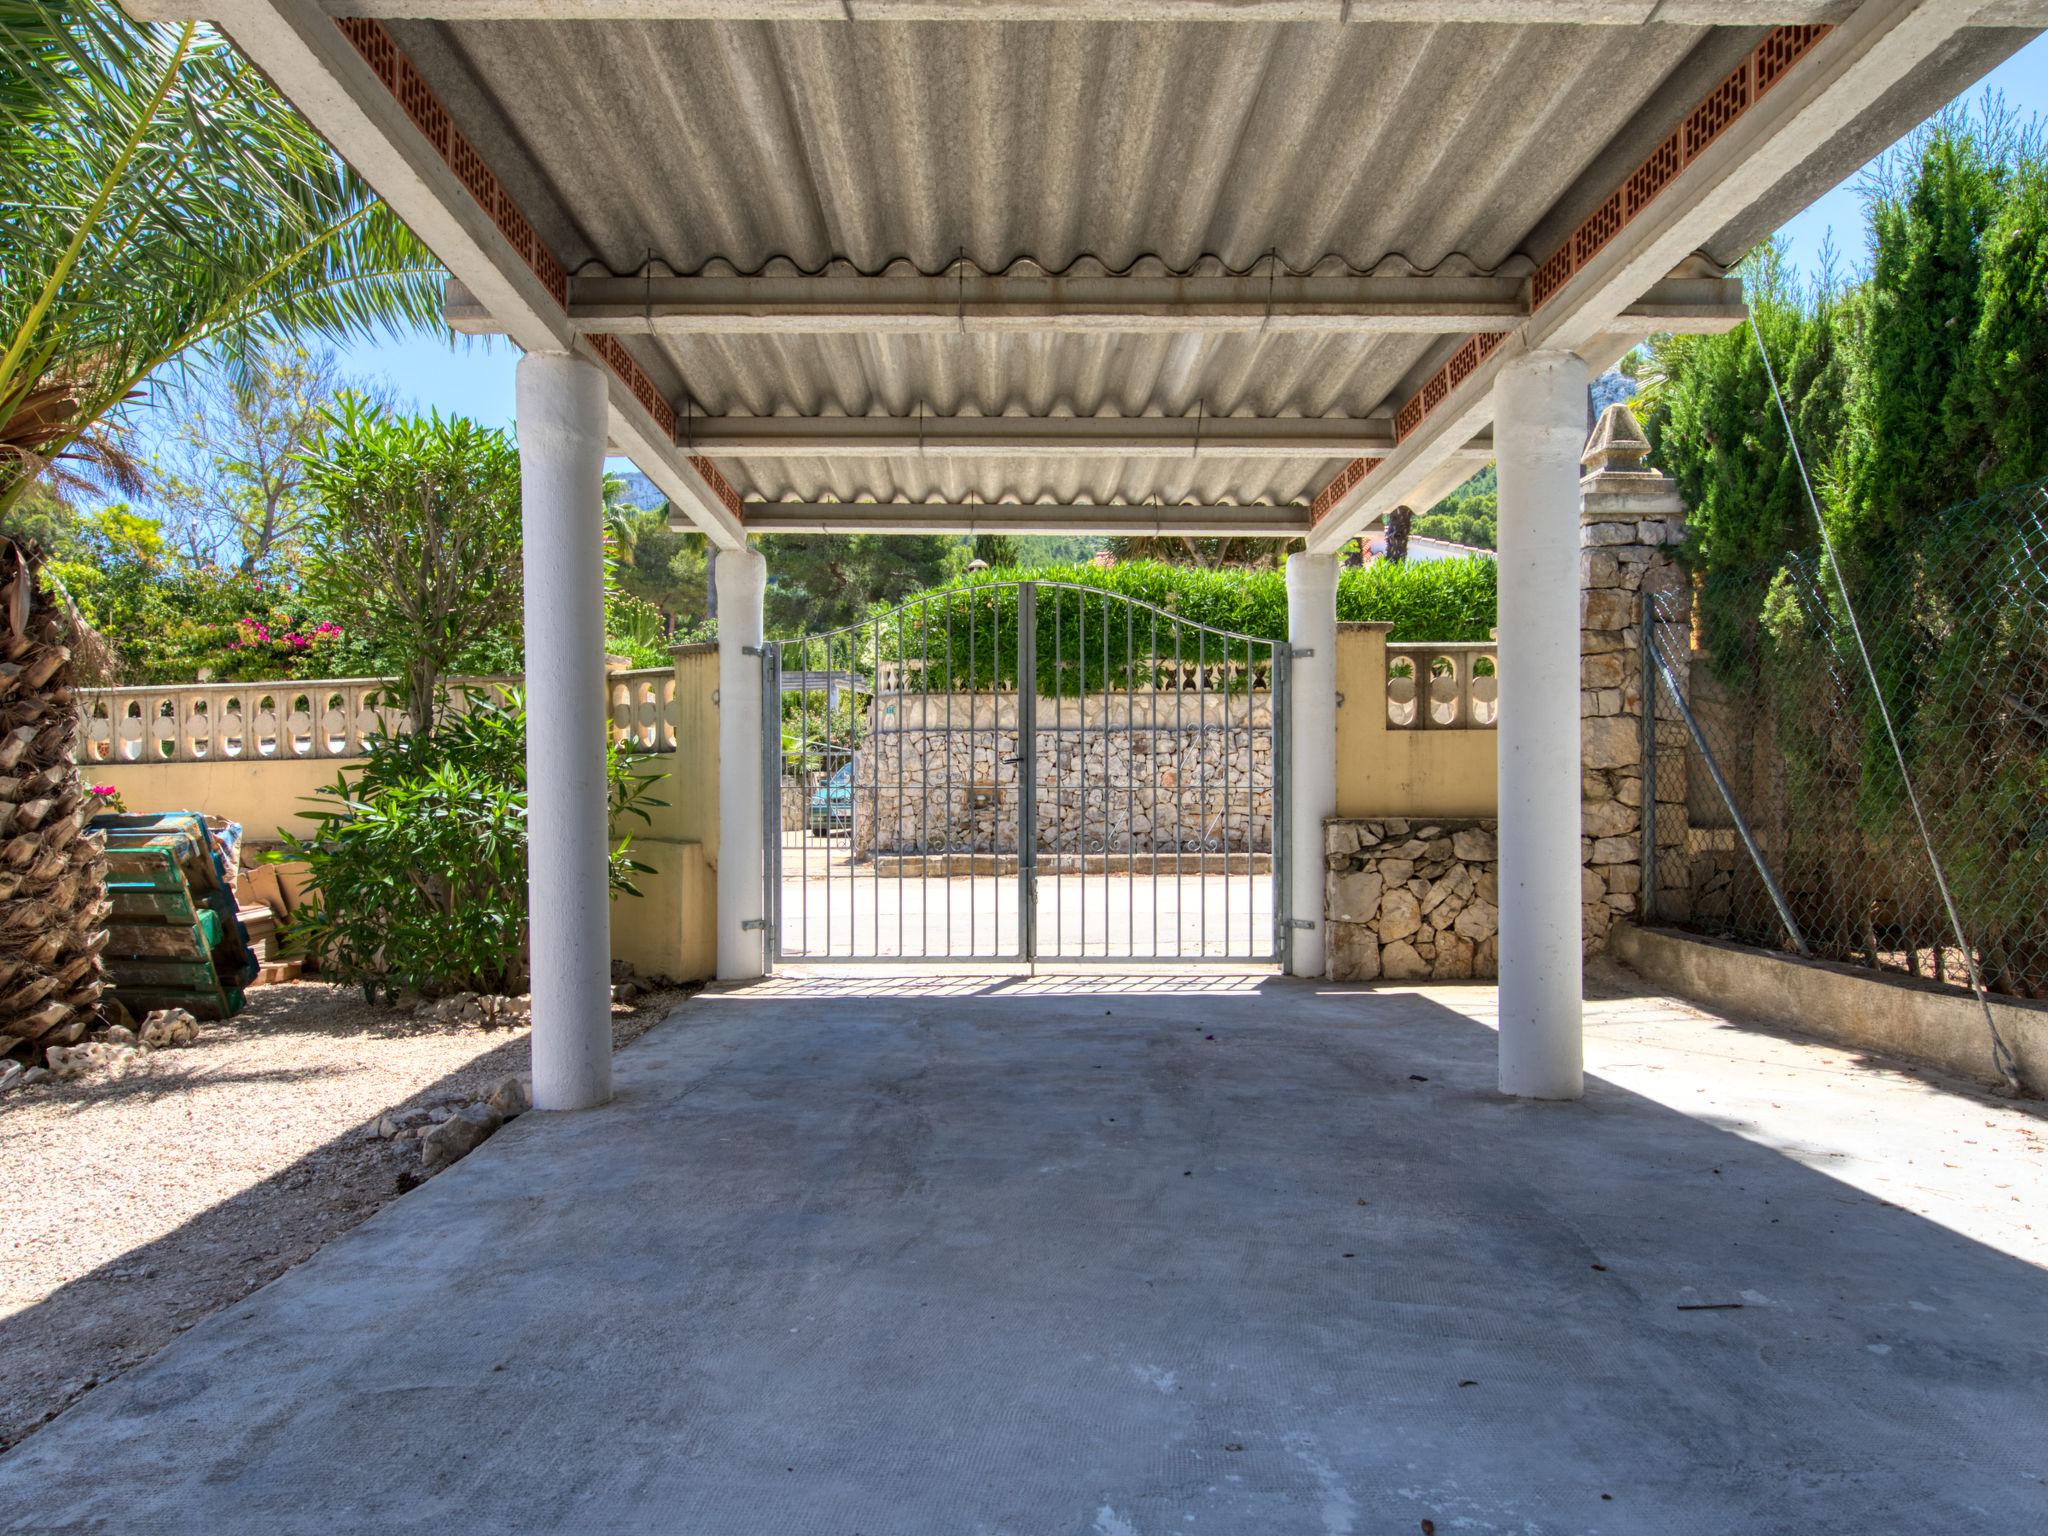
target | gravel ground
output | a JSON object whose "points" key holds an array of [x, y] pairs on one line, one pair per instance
{"points": [[136, 1207]]}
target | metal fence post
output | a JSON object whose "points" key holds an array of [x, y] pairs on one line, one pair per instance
{"points": [[1282, 687], [1027, 770], [771, 806], [1647, 901], [1741, 823]]}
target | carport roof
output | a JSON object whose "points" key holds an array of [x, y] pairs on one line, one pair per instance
{"points": [[1299, 243]]}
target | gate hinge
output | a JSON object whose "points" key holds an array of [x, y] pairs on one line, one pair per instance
{"points": [[1300, 651], [753, 650], [1299, 922], [753, 922]]}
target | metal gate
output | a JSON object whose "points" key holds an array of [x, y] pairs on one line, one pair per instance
{"points": [[924, 803]]}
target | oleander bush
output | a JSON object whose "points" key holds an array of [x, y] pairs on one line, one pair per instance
{"points": [[418, 858]]}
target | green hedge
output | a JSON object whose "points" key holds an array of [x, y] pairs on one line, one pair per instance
{"points": [[1102, 627]]}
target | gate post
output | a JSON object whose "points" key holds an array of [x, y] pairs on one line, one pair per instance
{"points": [[1027, 768], [1312, 749], [742, 932]]}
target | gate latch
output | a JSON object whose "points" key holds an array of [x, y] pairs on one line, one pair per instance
{"points": [[753, 922], [753, 650], [1299, 652], [1299, 922]]}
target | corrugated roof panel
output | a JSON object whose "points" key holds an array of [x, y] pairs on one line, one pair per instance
{"points": [[743, 146], [1170, 374], [744, 142], [1195, 480], [1048, 375]]}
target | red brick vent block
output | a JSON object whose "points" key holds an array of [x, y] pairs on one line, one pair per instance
{"points": [[424, 109], [1764, 67]]}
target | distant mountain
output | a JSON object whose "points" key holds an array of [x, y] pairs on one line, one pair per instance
{"points": [[640, 490], [1611, 386]]}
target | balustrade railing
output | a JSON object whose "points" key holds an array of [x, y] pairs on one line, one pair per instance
{"points": [[1457, 682], [641, 705], [334, 718]]}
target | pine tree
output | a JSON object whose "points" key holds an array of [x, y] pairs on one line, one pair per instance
{"points": [[996, 550]]}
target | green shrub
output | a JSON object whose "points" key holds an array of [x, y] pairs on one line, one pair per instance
{"points": [[1087, 638], [418, 859], [415, 546]]}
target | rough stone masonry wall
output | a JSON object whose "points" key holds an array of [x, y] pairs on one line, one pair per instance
{"points": [[1630, 521], [1111, 779], [1406, 900]]}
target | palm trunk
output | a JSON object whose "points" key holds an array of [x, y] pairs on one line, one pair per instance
{"points": [[53, 898]]}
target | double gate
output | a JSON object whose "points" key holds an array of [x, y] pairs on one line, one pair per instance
{"points": [[1021, 771]]}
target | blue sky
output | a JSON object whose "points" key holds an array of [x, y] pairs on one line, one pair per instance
{"points": [[2021, 79], [474, 378]]}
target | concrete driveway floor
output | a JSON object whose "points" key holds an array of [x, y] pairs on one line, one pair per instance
{"points": [[1124, 1257]]}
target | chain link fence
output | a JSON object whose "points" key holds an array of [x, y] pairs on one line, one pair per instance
{"points": [[1811, 799]]}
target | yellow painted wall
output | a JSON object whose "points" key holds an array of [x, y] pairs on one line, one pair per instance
{"points": [[1383, 772], [691, 821], [264, 796], [696, 755], [671, 930]]}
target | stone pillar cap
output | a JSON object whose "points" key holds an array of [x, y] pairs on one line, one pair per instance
{"points": [[1618, 443]]}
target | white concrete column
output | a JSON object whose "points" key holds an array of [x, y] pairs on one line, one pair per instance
{"points": [[742, 582], [1539, 431], [1311, 745], [561, 465]]}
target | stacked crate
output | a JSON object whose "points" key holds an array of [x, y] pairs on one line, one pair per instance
{"points": [[174, 937]]}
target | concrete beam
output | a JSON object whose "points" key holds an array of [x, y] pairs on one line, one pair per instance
{"points": [[1014, 304], [305, 55], [1846, 73], [1022, 437], [684, 483], [1841, 76], [1617, 13], [1427, 466], [1135, 522]]}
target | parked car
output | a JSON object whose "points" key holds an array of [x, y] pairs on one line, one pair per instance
{"points": [[832, 803]]}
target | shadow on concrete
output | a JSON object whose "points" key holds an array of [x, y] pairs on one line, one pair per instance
{"points": [[1094, 1255]]}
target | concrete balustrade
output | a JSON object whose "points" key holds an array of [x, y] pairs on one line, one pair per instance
{"points": [[1459, 679], [329, 718], [1387, 764], [256, 753]]}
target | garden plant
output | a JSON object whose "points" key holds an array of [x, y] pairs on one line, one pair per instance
{"points": [[419, 858]]}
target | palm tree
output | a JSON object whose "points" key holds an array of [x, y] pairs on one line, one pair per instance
{"points": [[157, 198], [1400, 522]]}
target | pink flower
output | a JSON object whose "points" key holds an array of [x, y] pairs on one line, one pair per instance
{"points": [[103, 789]]}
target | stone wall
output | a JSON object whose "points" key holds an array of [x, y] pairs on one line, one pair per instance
{"points": [[1153, 774], [1630, 520], [1411, 898], [1408, 900]]}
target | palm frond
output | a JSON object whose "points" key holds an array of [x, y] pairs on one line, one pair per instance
{"points": [[156, 194]]}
